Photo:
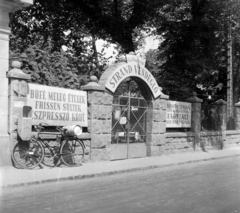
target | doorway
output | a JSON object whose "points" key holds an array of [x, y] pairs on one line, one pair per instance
{"points": [[129, 122]]}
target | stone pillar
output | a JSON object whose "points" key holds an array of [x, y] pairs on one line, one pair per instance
{"points": [[222, 120], [100, 120], [196, 119], [156, 126], [237, 114], [18, 89], [222, 116], [6, 7]]}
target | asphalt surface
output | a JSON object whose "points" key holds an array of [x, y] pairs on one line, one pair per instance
{"points": [[205, 186]]}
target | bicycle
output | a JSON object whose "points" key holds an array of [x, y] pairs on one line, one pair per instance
{"points": [[70, 150]]}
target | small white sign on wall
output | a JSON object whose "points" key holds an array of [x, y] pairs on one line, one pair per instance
{"points": [[123, 120], [18, 104], [57, 106], [178, 114]]}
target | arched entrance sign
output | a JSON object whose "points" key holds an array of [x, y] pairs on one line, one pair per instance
{"points": [[115, 74]]}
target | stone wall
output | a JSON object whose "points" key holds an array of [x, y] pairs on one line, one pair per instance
{"points": [[159, 141], [197, 140], [183, 142], [178, 142], [232, 138], [211, 140]]}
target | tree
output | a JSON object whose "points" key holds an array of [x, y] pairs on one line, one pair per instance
{"points": [[193, 48], [37, 39], [48, 25], [114, 21], [234, 24], [191, 57]]}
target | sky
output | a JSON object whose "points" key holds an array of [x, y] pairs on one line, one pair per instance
{"points": [[151, 43]]}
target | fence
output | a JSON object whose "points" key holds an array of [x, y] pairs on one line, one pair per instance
{"points": [[214, 115], [211, 117]]}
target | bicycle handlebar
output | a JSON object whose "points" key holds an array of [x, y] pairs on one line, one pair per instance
{"points": [[39, 127]]}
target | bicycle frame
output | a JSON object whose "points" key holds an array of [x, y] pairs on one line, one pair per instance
{"points": [[62, 138]]}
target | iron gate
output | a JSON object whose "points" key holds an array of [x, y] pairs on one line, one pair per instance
{"points": [[129, 122]]}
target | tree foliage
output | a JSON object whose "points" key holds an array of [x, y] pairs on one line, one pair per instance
{"points": [[38, 35], [194, 46], [48, 25], [112, 20], [192, 55]]}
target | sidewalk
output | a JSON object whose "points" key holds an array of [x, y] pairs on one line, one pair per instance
{"points": [[12, 177]]}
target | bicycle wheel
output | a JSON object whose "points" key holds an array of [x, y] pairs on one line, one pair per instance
{"points": [[27, 154], [72, 152]]}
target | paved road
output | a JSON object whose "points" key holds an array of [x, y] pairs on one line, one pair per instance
{"points": [[206, 187]]}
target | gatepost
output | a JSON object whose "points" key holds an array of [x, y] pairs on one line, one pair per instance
{"points": [[196, 120], [100, 119], [18, 89], [156, 126], [6, 7], [237, 111], [222, 120]]}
